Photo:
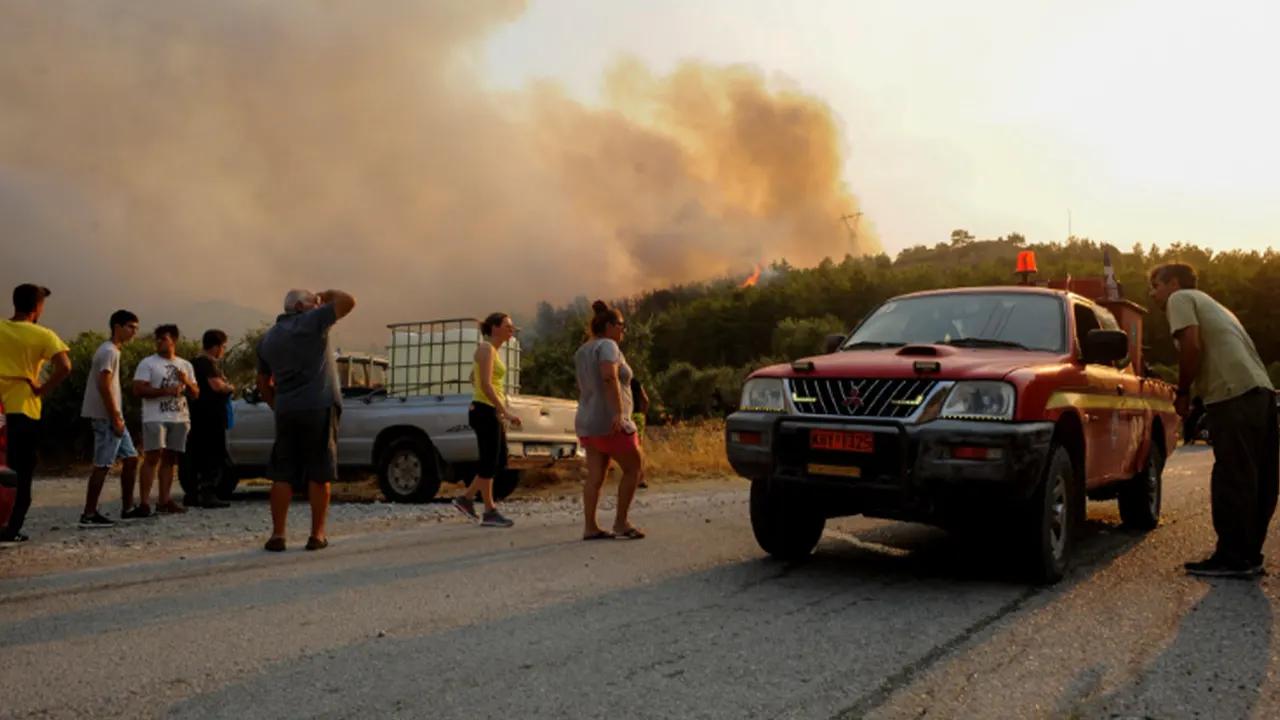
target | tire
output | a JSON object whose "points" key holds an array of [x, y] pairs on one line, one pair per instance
{"points": [[505, 484], [230, 479], [785, 528], [1052, 516], [226, 485], [1141, 495], [409, 471]]}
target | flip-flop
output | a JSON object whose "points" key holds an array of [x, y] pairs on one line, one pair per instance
{"points": [[630, 534], [599, 535]]}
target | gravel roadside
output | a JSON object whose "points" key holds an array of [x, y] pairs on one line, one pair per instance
{"points": [[58, 543]]}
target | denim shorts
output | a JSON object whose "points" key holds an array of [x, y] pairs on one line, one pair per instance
{"points": [[109, 447]]}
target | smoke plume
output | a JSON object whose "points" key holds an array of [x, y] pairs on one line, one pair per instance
{"points": [[182, 158]]}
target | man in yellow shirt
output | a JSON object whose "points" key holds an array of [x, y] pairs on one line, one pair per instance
{"points": [[1217, 361], [24, 349]]}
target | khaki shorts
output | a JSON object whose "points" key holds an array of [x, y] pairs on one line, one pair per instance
{"points": [[165, 436]]}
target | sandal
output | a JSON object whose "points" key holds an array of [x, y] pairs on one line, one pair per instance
{"points": [[275, 544], [599, 535], [314, 543], [630, 533]]}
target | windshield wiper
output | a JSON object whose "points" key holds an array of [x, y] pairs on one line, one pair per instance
{"points": [[869, 344], [977, 342]]}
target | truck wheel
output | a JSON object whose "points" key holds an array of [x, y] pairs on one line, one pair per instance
{"points": [[784, 528], [226, 484], [1052, 515], [409, 471], [1141, 495], [505, 484]]}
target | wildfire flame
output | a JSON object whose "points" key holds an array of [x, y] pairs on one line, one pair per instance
{"points": [[752, 279]]}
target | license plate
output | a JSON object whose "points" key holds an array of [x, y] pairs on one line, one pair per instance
{"points": [[837, 470], [842, 441]]}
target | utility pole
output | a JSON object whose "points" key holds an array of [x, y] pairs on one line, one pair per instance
{"points": [[852, 226]]}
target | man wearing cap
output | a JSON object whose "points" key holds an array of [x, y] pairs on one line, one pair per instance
{"points": [[297, 377], [1217, 361], [25, 347]]}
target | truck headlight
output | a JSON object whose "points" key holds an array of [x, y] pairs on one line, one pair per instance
{"points": [[763, 395], [979, 400]]}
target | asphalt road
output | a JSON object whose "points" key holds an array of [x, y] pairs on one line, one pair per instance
{"points": [[449, 620]]}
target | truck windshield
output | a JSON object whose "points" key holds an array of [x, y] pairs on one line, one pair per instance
{"points": [[982, 320]]}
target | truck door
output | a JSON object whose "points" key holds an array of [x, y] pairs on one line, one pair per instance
{"points": [[1133, 414], [1103, 426]]}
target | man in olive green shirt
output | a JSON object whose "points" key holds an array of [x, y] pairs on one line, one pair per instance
{"points": [[1218, 362]]}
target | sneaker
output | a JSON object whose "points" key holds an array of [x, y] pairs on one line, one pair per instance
{"points": [[1217, 567], [9, 538], [170, 508], [137, 512], [466, 506], [493, 518], [96, 520]]}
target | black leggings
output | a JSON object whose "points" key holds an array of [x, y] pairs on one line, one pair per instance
{"points": [[491, 437]]}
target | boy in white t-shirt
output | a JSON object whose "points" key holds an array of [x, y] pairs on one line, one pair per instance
{"points": [[164, 381]]}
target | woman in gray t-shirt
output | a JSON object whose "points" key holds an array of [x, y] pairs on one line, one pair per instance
{"points": [[604, 423]]}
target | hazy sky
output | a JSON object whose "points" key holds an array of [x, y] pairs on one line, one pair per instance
{"points": [[1152, 121], [192, 160]]}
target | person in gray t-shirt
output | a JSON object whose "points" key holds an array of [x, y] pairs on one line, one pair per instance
{"points": [[604, 423], [298, 379], [104, 409]]}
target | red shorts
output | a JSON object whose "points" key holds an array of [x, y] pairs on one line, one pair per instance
{"points": [[616, 444]]}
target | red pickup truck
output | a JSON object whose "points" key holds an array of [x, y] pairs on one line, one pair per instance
{"points": [[1003, 406]]}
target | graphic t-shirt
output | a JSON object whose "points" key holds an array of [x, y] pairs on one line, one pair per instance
{"points": [[105, 359], [161, 373], [24, 349]]}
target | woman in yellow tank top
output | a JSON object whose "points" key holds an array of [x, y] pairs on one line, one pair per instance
{"points": [[488, 416]]}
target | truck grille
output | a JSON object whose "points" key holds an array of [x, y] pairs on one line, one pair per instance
{"points": [[865, 398]]}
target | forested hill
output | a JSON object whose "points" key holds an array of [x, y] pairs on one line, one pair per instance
{"points": [[693, 344]]}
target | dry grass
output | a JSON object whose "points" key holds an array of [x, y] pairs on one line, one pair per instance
{"points": [[686, 450], [672, 453]]}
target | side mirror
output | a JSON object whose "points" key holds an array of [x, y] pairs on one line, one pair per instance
{"points": [[1105, 347], [834, 342]]}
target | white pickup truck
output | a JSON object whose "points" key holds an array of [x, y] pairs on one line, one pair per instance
{"points": [[406, 420]]}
